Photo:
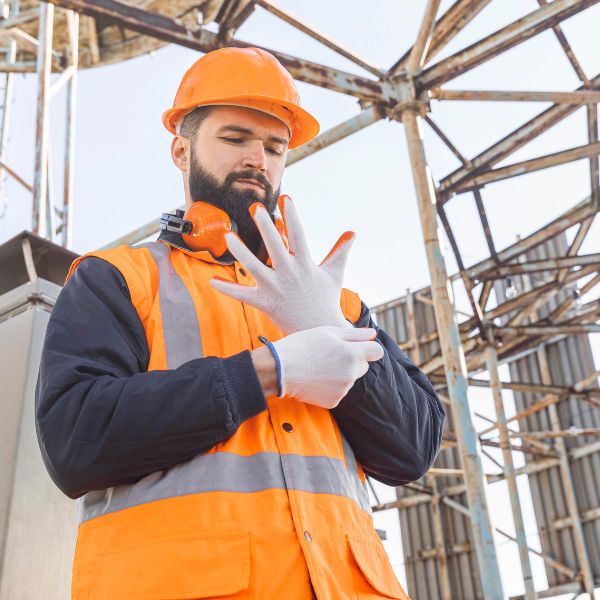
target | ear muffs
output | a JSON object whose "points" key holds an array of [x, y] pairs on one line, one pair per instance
{"points": [[206, 228], [203, 227]]}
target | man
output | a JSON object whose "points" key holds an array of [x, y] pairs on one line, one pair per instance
{"points": [[216, 403]]}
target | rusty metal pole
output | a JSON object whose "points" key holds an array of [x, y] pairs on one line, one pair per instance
{"points": [[69, 168], [412, 327], [491, 357], [592, 117], [454, 362], [440, 543], [44, 63], [7, 99]]}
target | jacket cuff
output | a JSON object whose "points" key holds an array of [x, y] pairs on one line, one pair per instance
{"points": [[244, 392]]}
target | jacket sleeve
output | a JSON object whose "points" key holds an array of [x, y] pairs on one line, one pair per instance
{"points": [[101, 418], [392, 416]]}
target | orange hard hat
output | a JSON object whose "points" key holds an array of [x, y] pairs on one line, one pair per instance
{"points": [[248, 77]]}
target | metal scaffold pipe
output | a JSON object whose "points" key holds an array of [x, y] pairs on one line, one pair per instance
{"points": [[454, 363], [509, 470], [40, 177]]}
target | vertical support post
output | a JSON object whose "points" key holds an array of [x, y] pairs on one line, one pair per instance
{"points": [[592, 118], [50, 204], [69, 173], [438, 534], [11, 56], [412, 327], [567, 481], [44, 63], [491, 358], [454, 363]]}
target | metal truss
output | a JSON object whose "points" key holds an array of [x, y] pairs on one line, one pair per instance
{"points": [[488, 335]]}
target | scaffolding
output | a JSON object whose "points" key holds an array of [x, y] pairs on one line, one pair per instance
{"points": [[531, 315]]}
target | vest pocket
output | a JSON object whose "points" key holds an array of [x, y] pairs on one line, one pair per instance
{"points": [[203, 566], [374, 577]]}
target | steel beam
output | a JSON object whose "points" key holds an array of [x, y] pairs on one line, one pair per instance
{"points": [[440, 543], [20, 18], [523, 29], [562, 40], [548, 264], [575, 215], [592, 121], [583, 328], [509, 469], [412, 327], [513, 141], [367, 117], [323, 39], [450, 24], [70, 124], [7, 99], [528, 166], [417, 54], [171, 30], [576, 97], [445, 139], [552, 561], [454, 363], [572, 432], [16, 176], [40, 177]]}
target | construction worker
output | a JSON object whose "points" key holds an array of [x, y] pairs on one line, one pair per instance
{"points": [[214, 399]]}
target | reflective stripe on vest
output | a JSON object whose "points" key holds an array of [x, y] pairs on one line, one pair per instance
{"points": [[220, 471], [227, 472], [181, 330]]}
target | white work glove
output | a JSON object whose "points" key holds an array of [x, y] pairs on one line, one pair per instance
{"points": [[320, 365], [296, 294]]}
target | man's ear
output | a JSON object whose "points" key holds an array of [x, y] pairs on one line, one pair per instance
{"points": [[180, 151]]}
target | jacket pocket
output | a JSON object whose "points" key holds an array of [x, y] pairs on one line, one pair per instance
{"points": [[376, 578], [203, 566]]}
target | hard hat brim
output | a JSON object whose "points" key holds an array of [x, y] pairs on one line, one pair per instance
{"points": [[304, 127]]}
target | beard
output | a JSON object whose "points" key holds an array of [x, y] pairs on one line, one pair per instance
{"points": [[205, 187]]}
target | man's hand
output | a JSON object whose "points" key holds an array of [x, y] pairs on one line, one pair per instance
{"points": [[296, 294], [320, 365]]}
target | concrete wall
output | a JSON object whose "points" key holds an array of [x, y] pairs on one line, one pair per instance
{"points": [[38, 524]]}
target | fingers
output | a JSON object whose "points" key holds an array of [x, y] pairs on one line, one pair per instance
{"points": [[271, 238], [295, 231], [335, 261], [355, 334], [245, 256], [363, 338], [372, 351], [243, 293]]}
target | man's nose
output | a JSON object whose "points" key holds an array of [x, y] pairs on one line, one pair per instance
{"points": [[256, 157]]}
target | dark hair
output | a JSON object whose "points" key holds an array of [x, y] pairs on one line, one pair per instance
{"points": [[192, 121]]}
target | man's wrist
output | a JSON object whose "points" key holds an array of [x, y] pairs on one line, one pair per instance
{"points": [[266, 370]]}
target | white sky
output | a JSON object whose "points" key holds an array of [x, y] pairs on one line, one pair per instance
{"points": [[124, 176]]}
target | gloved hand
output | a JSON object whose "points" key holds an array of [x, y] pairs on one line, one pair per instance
{"points": [[296, 294], [320, 365]]}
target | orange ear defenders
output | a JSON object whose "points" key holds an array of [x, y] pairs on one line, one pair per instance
{"points": [[203, 227]]}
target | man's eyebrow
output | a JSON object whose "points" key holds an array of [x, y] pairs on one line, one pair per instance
{"points": [[247, 131]]}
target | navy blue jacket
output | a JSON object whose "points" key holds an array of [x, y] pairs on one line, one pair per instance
{"points": [[103, 419]]}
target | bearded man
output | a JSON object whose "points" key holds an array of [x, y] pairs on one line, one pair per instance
{"points": [[214, 399]]}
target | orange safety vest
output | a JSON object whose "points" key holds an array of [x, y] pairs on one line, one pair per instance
{"points": [[278, 506]]}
